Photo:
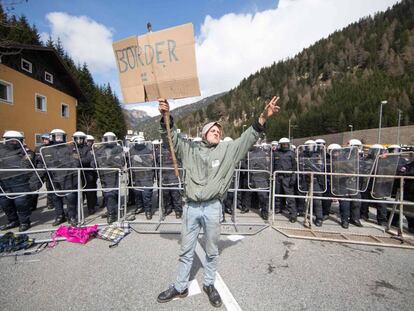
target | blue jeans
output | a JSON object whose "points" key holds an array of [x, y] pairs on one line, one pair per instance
{"points": [[199, 215]]}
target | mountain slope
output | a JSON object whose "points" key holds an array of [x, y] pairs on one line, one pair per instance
{"points": [[337, 81]]}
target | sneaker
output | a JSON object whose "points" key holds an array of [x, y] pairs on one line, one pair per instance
{"points": [[170, 294], [213, 295]]}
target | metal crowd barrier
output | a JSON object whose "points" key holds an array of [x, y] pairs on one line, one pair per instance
{"points": [[398, 202], [234, 226]]}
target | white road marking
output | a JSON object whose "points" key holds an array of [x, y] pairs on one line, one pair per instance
{"points": [[193, 289], [227, 297], [235, 237]]}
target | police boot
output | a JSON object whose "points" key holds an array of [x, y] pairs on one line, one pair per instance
{"points": [[139, 210], [178, 215], [293, 219], [73, 222], [148, 215], [356, 223], [24, 227], [170, 294], [244, 210], [111, 218], [10, 225], [59, 220], [344, 224], [264, 214], [91, 211], [318, 222], [213, 296]]}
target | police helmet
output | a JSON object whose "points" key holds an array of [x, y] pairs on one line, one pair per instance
{"points": [[58, 136], [333, 146], [13, 135], [108, 137], [90, 138], [320, 141], [79, 137], [310, 145], [284, 143], [394, 149], [355, 142]]}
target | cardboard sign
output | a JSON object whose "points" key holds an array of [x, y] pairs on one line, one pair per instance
{"points": [[158, 64]]}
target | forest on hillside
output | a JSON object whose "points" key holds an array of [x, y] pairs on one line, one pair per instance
{"points": [[339, 80], [101, 110]]}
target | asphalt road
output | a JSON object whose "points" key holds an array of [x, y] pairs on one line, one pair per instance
{"points": [[266, 271]]}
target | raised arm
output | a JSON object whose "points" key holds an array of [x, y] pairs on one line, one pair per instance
{"points": [[241, 146]]}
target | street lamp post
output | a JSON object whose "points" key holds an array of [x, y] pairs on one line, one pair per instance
{"points": [[291, 126], [351, 127], [383, 102], [398, 128]]}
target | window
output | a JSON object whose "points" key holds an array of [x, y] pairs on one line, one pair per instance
{"points": [[38, 139], [65, 111], [40, 103], [6, 92], [26, 65], [48, 77]]}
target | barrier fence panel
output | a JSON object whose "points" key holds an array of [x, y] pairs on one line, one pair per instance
{"points": [[13, 155], [387, 164], [395, 202], [311, 160], [345, 160], [64, 155]]}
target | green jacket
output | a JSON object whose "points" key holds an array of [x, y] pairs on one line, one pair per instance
{"points": [[208, 169]]}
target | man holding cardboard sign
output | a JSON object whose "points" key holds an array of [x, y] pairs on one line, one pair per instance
{"points": [[209, 169]]}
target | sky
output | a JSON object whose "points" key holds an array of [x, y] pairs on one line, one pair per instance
{"points": [[234, 38]]}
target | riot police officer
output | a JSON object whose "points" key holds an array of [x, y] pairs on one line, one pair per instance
{"points": [[346, 185], [61, 155], [39, 164], [171, 198], [313, 161], [259, 162], [367, 163], [91, 177], [284, 159], [109, 154], [13, 155], [141, 156]]}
